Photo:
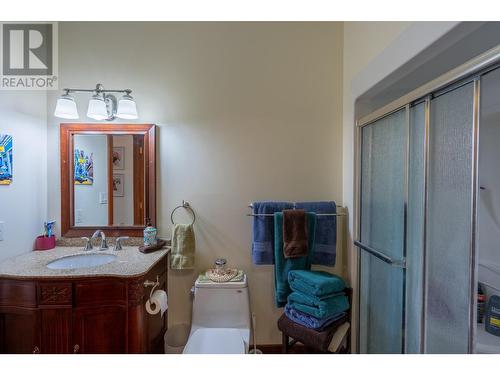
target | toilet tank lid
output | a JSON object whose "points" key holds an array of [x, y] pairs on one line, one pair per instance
{"points": [[228, 285]]}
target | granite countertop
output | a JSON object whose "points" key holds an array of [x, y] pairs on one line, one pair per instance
{"points": [[130, 262]]}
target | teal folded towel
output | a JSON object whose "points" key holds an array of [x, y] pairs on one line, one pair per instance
{"points": [[283, 266], [317, 283], [319, 308]]}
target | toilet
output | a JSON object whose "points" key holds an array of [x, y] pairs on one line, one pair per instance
{"points": [[221, 318]]}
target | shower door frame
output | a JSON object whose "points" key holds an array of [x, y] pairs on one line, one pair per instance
{"points": [[469, 72]]}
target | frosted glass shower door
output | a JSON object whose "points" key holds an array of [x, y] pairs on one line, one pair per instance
{"points": [[381, 241], [449, 246]]}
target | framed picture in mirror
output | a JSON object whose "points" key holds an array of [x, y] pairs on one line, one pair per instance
{"points": [[118, 157], [118, 185]]}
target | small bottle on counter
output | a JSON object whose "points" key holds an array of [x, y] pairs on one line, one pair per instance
{"points": [[150, 233]]}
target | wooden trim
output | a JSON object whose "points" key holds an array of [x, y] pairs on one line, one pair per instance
{"points": [[110, 180], [67, 130], [139, 179], [150, 174]]}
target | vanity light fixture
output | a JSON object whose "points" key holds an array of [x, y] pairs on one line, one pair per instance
{"points": [[126, 107], [98, 110], [102, 104], [66, 107]]}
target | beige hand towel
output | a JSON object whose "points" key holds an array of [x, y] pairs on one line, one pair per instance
{"points": [[183, 247]]}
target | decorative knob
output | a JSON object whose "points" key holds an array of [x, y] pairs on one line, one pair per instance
{"points": [[220, 266], [76, 349], [36, 350]]}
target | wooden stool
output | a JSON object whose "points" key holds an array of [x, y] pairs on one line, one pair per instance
{"points": [[287, 344]]}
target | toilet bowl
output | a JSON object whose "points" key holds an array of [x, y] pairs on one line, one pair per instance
{"points": [[221, 318]]}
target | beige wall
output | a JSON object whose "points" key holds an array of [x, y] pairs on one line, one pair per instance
{"points": [[246, 111]]}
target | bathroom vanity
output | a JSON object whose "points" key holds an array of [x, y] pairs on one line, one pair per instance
{"points": [[68, 300], [97, 309]]}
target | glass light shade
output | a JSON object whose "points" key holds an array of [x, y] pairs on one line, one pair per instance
{"points": [[66, 108], [127, 108], [97, 108]]}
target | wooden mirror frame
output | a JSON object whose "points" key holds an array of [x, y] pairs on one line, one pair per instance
{"points": [[67, 131]]}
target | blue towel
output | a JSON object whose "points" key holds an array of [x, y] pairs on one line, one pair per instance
{"points": [[325, 246], [310, 321], [282, 265], [319, 308], [263, 230], [320, 284]]}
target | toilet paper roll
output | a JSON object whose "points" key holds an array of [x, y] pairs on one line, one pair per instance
{"points": [[157, 302]]}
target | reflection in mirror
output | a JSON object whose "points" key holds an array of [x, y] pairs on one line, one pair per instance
{"points": [[109, 176], [91, 179]]}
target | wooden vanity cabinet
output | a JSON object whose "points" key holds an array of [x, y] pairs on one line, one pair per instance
{"points": [[86, 315]]}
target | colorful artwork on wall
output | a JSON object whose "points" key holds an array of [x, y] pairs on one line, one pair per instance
{"points": [[84, 168], [5, 159]]}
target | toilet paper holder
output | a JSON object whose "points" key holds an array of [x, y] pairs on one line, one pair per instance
{"points": [[154, 284]]}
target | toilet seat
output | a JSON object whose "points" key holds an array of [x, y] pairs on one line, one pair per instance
{"points": [[215, 341]]}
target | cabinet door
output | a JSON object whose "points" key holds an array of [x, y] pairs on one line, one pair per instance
{"points": [[56, 330], [19, 331], [100, 330]]}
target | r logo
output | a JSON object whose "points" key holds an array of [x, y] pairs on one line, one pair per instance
{"points": [[27, 49]]}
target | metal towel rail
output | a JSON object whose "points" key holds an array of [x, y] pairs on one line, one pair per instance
{"points": [[381, 255], [340, 214]]}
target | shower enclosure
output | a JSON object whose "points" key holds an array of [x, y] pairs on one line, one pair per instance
{"points": [[416, 207]]}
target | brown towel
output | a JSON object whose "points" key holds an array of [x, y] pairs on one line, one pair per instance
{"points": [[319, 340], [294, 233]]}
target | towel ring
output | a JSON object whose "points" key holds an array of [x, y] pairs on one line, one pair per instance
{"points": [[185, 205]]}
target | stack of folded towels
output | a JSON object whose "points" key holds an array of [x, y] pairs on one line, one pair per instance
{"points": [[317, 299], [316, 308]]}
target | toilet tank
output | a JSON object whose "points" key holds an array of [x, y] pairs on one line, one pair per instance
{"points": [[221, 305]]}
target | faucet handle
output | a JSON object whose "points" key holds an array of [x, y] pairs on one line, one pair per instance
{"points": [[88, 244], [118, 243]]}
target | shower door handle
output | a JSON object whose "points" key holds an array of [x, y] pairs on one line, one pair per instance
{"points": [[380, 255]]}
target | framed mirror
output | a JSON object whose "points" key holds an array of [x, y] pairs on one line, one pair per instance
{"points": [[108, 178]]}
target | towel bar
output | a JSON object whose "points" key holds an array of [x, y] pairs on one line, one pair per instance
{"points": [[380, 255], [251, 206], [316, 214]]}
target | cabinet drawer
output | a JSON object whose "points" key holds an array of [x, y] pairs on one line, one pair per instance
{"points": [[100, 292], [55, 294], [17, 293]]}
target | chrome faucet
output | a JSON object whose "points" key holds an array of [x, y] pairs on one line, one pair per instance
{"points": [[88, 244], [104, 242]]}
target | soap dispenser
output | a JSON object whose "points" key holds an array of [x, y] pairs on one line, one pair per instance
{"points": [[150, 234]]}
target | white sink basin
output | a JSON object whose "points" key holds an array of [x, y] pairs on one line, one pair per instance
{"points": [[81, 261]]}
